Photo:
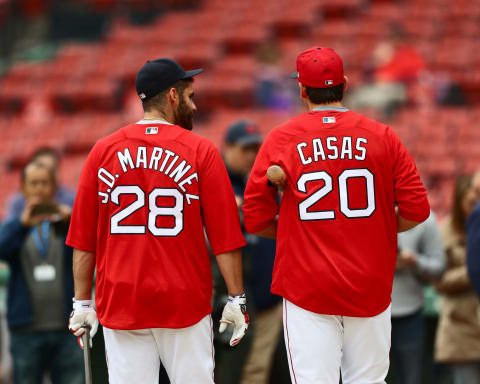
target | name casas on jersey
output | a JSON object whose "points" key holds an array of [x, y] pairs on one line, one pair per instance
{"points": [[332, 148], [337, 224], [159, 159]]}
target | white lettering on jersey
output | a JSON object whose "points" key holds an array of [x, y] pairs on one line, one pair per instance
{"points": [[180, 171], [188, 181], [318, 149], [141, 157], [155, 158], [168, 154], [359, 147], [124, 159], [188, 196], [107, 178], [302, 157], [334, 148], [172, 163], [169, 159], [346, 148]]}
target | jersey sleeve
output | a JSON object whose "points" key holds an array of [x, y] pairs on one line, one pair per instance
{"points": [[409, 193], [218, 204], [82, 233], [260, 206]]}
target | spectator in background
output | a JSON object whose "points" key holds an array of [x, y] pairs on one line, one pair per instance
{"points": [[473, 238], [458, 335], [41, 284], [396, 61], [397, 67], [50, 158], [253, 363], [420, 259], [272, 91]]}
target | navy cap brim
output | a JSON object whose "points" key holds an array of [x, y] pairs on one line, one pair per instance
{"points": [[294, 75], [192, 73], [250, 140]]}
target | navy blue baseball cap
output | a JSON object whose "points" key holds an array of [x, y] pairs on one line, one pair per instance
{"points": [[243, 132], [157, 75]]}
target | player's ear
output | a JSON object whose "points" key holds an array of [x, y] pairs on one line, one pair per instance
{"points": [[173, 97], [345, 83], [303, 91]]}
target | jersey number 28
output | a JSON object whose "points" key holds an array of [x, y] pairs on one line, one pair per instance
{"points": [[154, 211]]}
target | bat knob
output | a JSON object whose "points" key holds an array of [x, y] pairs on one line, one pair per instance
{"points": [[277, 176]]}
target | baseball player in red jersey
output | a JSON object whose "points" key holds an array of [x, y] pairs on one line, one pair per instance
{"points": [[351, 186], [145, 196]]}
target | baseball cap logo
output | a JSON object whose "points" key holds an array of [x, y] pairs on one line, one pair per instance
{"points": [[328, 82], [142, 96]]}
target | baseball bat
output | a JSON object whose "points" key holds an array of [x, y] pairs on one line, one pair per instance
{"points": [[277, 177], [87, 356]]}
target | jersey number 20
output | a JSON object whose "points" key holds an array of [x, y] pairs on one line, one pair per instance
{"points": [[154, 211], [306, 215]]}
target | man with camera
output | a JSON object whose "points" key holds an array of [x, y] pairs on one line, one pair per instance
{"points": [[41, 283]]}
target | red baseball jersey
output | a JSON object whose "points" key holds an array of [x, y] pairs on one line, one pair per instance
{"points": [[146, 194], [337, 228]]}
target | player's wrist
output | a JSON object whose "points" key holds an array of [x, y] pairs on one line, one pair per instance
{"points": [[237, 299], [82, 305]]}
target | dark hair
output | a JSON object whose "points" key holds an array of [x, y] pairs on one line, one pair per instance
{"points": [[158, 100], [45, 151], [51, 172], [325, 95], [458, 218]]}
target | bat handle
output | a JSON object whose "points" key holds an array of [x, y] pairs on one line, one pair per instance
{"points": [[86, 355]]}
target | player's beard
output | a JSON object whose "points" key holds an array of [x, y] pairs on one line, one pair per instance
{"points": [[184, 115]]}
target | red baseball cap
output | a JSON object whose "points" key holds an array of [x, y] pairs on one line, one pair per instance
{"points": [[319, 67]]}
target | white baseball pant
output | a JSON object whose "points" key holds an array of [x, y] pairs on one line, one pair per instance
{"points": [[319, 347], [134, 356]]}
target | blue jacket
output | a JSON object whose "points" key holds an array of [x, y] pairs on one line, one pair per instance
{"points": [[16, 202], [19, 306], [473, 248]]}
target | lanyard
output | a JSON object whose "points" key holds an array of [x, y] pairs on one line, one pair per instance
{"points": [[40, 237], [338, 109]]}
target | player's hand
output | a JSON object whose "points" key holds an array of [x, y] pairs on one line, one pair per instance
{"points": [[82, 316], [235, 313]]}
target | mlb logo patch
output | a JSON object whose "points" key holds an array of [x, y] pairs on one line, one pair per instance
{"points": [[142, 95], [151, 130], [328, 82], [329, 120]]}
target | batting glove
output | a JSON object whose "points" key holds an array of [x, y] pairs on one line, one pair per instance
{"points": [[235, 313], [83, 315]]}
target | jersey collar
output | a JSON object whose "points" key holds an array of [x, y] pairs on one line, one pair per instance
{"points": [[338, 109], [158, 121]]}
